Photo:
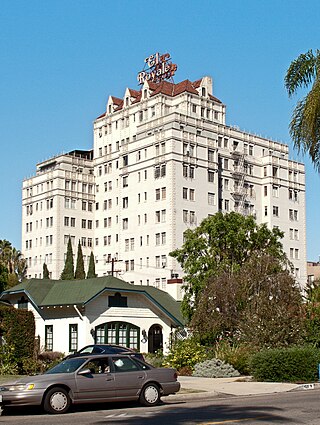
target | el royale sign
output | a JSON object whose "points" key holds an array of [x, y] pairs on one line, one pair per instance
{"points": [[159, 68]]}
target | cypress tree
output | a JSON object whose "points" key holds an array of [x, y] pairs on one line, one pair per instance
{"points": [[92, 267], [68, 271], [45, 272], [80, 274]]}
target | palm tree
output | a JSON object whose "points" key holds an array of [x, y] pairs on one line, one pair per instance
{"points": [[13, 261], [305, 123]]}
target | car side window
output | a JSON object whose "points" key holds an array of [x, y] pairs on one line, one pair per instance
{"points": [[98, 366], [124, 364]]}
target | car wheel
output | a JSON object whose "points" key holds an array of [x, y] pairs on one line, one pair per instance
{"points": [[150, 395], [57, 400]]}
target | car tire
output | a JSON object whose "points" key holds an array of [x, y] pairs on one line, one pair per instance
{"points": [[150, 395], [57, 400]]}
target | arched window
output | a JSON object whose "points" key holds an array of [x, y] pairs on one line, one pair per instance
{"points": [[23, 303], [121, 333], [117, 300]]}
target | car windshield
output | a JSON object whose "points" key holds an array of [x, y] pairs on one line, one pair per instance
{"points": [[67, 366]]}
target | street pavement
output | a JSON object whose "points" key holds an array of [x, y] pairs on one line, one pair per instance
{"points": [[194, 387]]}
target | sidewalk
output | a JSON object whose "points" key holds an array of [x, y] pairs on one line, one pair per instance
{"points": [[194, 387]]}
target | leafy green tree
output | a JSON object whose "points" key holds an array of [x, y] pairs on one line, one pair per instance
{"points": [[68, 271], [259, 305], [221, 243], [45, 272], [92, 268], [305, 122], [312, 305], [80, 273]]}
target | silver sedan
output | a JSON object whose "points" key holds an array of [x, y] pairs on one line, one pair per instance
{"points": [[91, 379]]}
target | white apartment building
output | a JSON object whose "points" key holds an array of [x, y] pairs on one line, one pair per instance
{"points": [[163, 160], [58, 203]]}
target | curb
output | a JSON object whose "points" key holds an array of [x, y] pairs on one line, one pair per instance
{"points": [[198, 395]]}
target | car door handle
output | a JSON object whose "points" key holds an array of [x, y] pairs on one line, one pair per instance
{"points": [[140, 377], [110, 379]]}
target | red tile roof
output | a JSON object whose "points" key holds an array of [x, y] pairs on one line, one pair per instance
{"points": [[214, 98], [165, 87], [170, 89], [134, 93]]}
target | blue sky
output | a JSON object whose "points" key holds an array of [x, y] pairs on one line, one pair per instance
{"points": [[61, 59]]}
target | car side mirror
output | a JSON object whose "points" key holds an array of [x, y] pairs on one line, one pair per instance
{"points": [[85, 372]]}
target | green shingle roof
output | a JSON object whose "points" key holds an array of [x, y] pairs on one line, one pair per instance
{"points": [[46, 292]]}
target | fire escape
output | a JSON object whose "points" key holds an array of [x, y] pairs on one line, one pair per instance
{"points": [[243, 191]]}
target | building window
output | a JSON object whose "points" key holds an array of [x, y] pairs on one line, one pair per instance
{"points": [[125, 181], [23, 303], [48, 337], [122, 333], [185, 193], [210, 176], [275, 211], [293, 215], [210, 155], [125, 202], [185, 216], [117, 300], [73, 338], [211, 198]]}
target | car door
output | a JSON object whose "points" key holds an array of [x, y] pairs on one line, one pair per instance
{"points": [[99, 384], [129, 378]]}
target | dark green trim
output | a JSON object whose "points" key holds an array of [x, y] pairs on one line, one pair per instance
{"points": [[71, 349], [117, 324], [47, 327]]}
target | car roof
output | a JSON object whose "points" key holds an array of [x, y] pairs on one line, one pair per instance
{"points": [[107, 345], [97, 356]]}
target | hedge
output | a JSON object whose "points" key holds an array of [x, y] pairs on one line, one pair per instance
{"points": [[294, 364], [18, 329]]}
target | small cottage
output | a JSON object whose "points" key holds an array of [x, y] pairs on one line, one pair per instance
{"points": [[106, 310]]}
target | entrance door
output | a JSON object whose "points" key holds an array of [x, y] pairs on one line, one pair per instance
{"points": [[155, 339]]}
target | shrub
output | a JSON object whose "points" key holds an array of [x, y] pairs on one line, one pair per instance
{"points": [[237, 355], [295, 364], [185, 371], [8, 365], [155, 359], [49, 359], [31, 366], [214, 368], [18, 328], [186, 352]]}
